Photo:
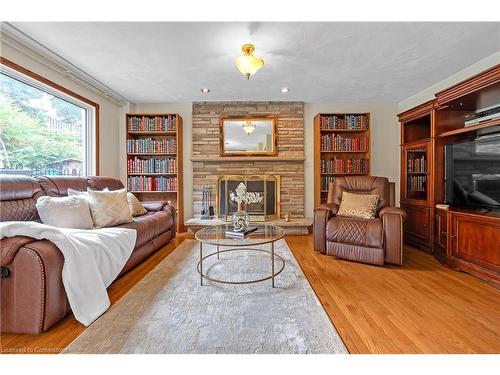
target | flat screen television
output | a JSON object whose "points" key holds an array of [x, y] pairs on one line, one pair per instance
{"points": [[472, 177]]}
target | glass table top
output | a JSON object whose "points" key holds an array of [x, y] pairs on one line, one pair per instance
{"points": [[216, 235]]}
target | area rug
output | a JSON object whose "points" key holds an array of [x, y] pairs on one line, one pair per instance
{"points": [[170, 312]]}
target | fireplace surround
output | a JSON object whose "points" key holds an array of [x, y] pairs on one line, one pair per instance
{"points": [[267, 185]]}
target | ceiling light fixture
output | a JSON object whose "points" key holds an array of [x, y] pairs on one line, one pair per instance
{"points": [[248, 127], [205, 90], [285, 89], [248, 64]]}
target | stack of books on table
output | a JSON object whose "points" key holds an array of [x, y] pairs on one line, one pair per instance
{"points": [[241, 234]]}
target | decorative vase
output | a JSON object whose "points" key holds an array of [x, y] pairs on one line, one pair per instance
{"points": [[241, 219]]}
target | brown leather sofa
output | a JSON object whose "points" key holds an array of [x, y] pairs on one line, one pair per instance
{"points": [[375, 241], [32, 293]]}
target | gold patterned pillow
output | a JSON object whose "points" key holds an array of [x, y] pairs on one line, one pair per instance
{"points": [[362, 206], [109, 208], [136, 208]]}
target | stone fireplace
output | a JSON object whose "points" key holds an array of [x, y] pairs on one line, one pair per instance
{"points": [[209, 168], [268, 186]]}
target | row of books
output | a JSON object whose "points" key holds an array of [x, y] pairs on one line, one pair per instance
{"points": [[325, 181], [332, 142], [417, 165], [344, 122], [152, 165], [151, 145], [344, 165], [417, 183], [143, 183], [151, 123]]}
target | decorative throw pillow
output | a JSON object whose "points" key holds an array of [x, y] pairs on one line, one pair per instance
{"points": [[136, 208], [363, 206], [109, 208], [73, 192], [65, 212]]}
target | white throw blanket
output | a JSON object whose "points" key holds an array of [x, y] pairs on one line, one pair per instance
{"points": [[92, 260]]}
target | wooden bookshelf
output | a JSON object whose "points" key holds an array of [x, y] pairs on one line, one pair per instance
{"points": [[341, 148], [154, 159]]}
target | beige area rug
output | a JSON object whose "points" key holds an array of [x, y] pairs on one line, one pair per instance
{"points": [[169, 312]]}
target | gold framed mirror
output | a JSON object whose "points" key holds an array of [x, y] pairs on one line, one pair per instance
{"points": [[247, 136]]}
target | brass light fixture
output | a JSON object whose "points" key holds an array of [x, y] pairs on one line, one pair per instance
{"points": [[248, 127], [248, 64]]}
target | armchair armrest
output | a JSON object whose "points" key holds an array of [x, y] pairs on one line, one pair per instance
{"points": [[9, 246], [393, 210], [322, 214], [392, 222]]}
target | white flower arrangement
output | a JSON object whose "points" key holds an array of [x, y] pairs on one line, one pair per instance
{"points": [[240, 195]]}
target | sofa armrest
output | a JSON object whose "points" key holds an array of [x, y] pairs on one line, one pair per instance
{"points": [[156, 206], [322, 214], [392, 222], [9, 246]]}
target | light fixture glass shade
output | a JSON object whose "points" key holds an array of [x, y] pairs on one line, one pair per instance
{"points": [[248, 127], [248, 64]]}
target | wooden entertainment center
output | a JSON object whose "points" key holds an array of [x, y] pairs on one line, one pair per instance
{"points": [[464, 239]]}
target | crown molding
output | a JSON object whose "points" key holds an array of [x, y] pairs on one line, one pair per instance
{"points": [[59, 63]]}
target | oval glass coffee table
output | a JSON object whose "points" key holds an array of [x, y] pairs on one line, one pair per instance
{"points": [[265, 234]]}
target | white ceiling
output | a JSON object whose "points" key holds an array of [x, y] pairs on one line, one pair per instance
{"points": [[319, 62]]}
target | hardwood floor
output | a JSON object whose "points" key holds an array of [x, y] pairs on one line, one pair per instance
{"points": [[421, 307]]}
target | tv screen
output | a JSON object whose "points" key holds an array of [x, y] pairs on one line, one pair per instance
{"points": [[473, 173]]}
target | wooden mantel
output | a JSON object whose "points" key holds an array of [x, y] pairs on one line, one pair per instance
{"points": [[229, 159]]}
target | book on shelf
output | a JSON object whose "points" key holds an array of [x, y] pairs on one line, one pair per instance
{"points": [[325, 181], [417, 183], [338, 142], [152, 165], [344, 122], [417, 165], [148, 183], [344, 166], [151, 123], [242, 234], [152, 146]]}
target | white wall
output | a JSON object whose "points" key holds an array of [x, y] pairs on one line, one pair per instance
{"points": [[385, 151], [185, 111], [384, 142], [109, 113], [428, 94]]}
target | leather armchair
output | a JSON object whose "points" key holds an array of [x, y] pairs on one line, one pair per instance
{"points": [[374, 241]]}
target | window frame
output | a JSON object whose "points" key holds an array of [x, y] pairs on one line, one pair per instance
{"points": [[33, 79]]}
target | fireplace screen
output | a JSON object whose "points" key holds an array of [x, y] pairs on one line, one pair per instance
{"points": [[266, 185]]}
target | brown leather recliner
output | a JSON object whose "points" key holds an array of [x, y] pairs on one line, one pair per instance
{"points": [[375, 241], [32, 295]]}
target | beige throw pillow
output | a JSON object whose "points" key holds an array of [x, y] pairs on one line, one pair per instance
{"points": [[136, 208], [363, 206], [109, 208]]}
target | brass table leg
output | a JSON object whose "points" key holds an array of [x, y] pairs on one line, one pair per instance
{"points": [[272, 261], [201, 263]]}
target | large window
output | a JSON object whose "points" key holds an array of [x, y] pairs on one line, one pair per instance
{"points": [[44, 131]]}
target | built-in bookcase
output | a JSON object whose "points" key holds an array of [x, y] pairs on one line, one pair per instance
{"points": [[341, 148], [154, 158]]}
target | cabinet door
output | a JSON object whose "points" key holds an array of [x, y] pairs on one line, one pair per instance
{"points": [[417, 225], [441, 231], [476, 240]]}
